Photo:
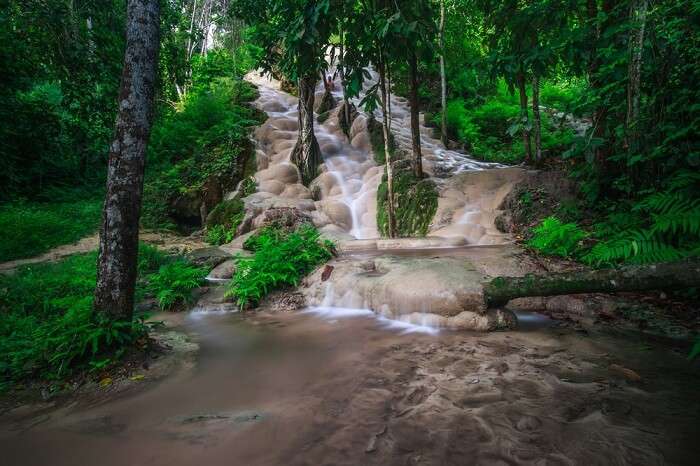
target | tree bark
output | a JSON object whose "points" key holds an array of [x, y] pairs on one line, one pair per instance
{"points": [[307, 154], [387, 153], [638, 15], [415, 116], [346, 102], [119, 234], [537, 120], [664, 276], [524, 118], [443, 79]]}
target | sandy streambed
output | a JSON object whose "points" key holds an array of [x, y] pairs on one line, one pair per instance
{"points": [[300, 389]]}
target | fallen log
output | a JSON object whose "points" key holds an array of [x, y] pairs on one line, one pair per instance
{"points": [[664, 276]]}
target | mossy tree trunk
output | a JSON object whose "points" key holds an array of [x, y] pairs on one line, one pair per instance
{"points": [[306, 154], [443, 80], [119, 233], [524, 119], [391, 212], [665, 276], [415, 114], [537, 120]]}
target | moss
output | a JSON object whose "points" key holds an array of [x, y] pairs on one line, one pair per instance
{"points": [[416, 202], [225, 214], [321, 118], [376, 139]]}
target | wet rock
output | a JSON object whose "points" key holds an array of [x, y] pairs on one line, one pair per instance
{"points": [[224, 270], [624, 372], [208, 257], [528, 424], [283, 301]]}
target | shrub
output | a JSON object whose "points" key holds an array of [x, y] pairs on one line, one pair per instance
{"points": [[556, 238], [48, 330], [206, 138], [280, 259], [663, 226], [174, 282]]}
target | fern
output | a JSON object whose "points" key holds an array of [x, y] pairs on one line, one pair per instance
{"points": [[556, 238]]}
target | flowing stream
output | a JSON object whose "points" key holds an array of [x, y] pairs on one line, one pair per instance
{"points": [[346, 385], [296, 389]]}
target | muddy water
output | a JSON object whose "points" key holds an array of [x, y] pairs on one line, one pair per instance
{"points": [[312, 389]]}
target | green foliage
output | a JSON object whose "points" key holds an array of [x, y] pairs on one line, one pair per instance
{"points": [[490, 130], [59, 93], [31, 228], [416, 202], [174, 282], [48, 330], [248, 186], [663, 226], [224, 220], [206, 139], [556, 238], [695, 350], [281, 259]]}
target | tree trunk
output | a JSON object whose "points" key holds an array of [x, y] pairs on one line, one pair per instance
{"points": [[524, 118], [638, 15], [346, 102], [119, 234], [664, 276], [387, 153], [443, 79], [537, 121], [307, 154], [415, 116]]}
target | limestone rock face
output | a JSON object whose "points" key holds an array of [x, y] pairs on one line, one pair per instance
{"points": [[445, 292]]}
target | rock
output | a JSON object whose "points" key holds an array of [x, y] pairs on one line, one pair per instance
{"points": [[628, 374], [208, 257], [225, 270], [286, 217], [283, 301], [327, 270], [528, 424]]}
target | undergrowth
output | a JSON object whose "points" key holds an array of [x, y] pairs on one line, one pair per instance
{"points": [[280, 259], [31, 228], [48, 330]]}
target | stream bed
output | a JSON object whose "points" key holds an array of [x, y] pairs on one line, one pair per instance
{"points": [[308, 388]]}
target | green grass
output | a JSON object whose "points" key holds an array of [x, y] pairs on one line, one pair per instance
{"points": [[48, 330], [28, 229], [281, 259]]}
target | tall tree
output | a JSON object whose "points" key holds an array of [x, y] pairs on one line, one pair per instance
{"points": [[119, 234], [295, 35], [443, 79], [638, 17]]}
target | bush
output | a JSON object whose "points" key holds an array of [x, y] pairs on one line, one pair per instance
{"points": [[280, 259], [207, 138], [28, 229], [48, 330], [174, 282], [556, 238], [491, 129]]}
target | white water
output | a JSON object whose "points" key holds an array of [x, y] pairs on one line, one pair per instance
{"points": [[347, 184]]}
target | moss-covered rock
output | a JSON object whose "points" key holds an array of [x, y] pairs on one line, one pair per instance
{"points": [[376, 139], [416, 202], [226, 214]]}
